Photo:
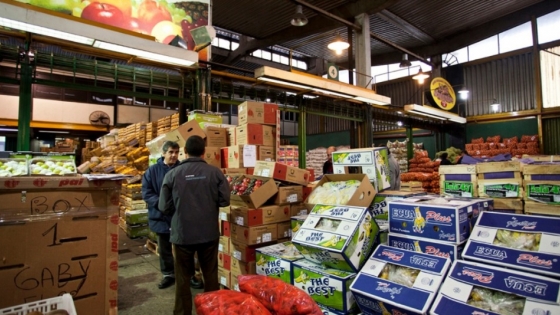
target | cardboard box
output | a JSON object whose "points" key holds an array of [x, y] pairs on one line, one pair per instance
{"points": [[255, 234], [329, 311], [254, 134], [374, 162], [234, 171], [240, 156], [256, 113], [241, 251], [224, 213], [231, 139], [376, 294], [223, 245], [224, 261], [299, 209], [381, 202], [285, 231], [276, 261], [329, 287], [225, 227], [224, 277], [216, 137], [136, 231], [234, 283], [282, 172], [422, 217], [263, 215], [135, 217], [536, 239], [213, 156], [289, 194], [239, 267], [258, 197], [536, 294], [339, 237], [296, 222], [362, 197], [180, 135], [210, 118], [426, 246]]}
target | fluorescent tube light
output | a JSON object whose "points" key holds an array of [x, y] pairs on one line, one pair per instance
{"points": [[318, 84], [8, 129], [434, 113], [143, 54], [54, 131], [45, 31]]}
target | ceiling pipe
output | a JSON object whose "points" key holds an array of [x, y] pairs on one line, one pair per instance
{"points": [[359, 29]]}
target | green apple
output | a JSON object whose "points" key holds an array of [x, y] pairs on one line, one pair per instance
{"points": [[63, 6]]}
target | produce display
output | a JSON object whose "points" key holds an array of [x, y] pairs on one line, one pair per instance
{"points": [[243, 186], [478, 148], [334, 193], [495, 301], [518, 240], [452, 154], [277, 296], [13, 167], [52, 166], [224, 302], [399, 274]]}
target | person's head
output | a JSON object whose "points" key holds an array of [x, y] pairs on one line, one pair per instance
{"points": [[170, 151], [330, 151], [195, 146], [444, 156]]}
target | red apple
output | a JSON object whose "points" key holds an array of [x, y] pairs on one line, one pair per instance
{"points": [[151, 13], [104, 13], [202, 21], [134, 25]]}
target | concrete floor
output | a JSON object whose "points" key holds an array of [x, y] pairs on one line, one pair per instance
{"points": [[138, 278]]}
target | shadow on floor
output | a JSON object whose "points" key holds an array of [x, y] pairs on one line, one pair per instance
{"points": [[134, 295]]}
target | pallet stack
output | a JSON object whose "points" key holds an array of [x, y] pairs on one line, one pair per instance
{"points": [[458, 180], [501, 181], [163, 125], [151, 131], [133, 211], [174, 121], [541, 183]]}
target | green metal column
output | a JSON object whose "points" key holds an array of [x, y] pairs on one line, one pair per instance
{"points": [[182, 106], [25, 102], [302, 132], [409, 137], [197, 89], [368, 127]]}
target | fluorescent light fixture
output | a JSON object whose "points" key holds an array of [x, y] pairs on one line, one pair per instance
{"points": [[54, 131], [8, 130], [434, 113], [25, 18], [463, 93], [399, 123], [310, 82]]}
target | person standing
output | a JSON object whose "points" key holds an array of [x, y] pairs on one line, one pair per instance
{"points": [[193, 193], [160, 223], [328, 166]]}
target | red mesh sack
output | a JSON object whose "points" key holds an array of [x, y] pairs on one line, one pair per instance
{"points": [[420, 153], [470, 152], [493, 139], [492, 146], [413, 165], [468, 146], [534, 138], [477, 140], [511, 140], [278, 296], [502, 145], [226, 302], [484, 146], [532, 145], [521, 146], [424, 160], [476, 147]]}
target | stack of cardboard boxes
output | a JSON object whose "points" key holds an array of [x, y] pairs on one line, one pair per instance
{"points": [[289, 155], [163, 125], [151, 131], [133, 211]]}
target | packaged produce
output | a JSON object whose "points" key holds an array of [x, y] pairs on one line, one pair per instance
{"points": [[397, 281], [344, 189], [381, 202], [326, 286], [524, 242], [228, 302], [52, 165], [374, 162], [472, 288], [278, 297], [16, 166], [426, 246], [276, 261], [431, 217], [338, 237], [252, 191]]}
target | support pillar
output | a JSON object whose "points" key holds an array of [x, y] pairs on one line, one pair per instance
{"points": [[538, 79], [363, 53], [368, 127], [182, 106], [25, 101], [409, 147], [302, 132]]}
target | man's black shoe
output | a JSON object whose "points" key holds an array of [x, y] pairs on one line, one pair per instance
{"points": [[195, 284], [166, 282]]}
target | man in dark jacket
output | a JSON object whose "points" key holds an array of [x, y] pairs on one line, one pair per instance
{"points": [[193, 193], [159, 222]]}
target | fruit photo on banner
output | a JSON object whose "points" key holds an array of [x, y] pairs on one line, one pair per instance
{"points": [[161, 19]]}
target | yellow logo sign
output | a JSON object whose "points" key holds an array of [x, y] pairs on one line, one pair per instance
{"points": [[443, 93]]}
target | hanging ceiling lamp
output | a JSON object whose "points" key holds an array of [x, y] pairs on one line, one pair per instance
{"points": [[420, 77], [299, 19], [404, 62], [338, 45]]}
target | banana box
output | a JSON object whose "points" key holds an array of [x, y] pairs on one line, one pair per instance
{"points": [[380, 205], [472, 288], [398, 281], [427, 246], [296, 222], [374, 162], [330, 311], [434, 218], [524, 242], [276, 261], [326, 286], [340, 237]]}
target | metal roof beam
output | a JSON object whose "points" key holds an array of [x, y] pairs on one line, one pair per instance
{"points": [[404, 25]]}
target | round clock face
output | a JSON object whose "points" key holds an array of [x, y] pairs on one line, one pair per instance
{"points": [[333, 72], [99, 118]]}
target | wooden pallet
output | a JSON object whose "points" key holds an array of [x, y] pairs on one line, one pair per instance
{"points": [[506, 204], [543, 158], [152, 246], [457, 169], [411, 186], [484, 170], [532, 207]]}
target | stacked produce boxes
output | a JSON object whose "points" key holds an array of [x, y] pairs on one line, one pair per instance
{"points": [[541, 183], [133, 211], [501, 181]]}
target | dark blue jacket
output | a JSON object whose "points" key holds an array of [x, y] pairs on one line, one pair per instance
{"points": [[151, 187]]}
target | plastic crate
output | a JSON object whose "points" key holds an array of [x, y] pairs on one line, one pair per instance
{"points": [[63, 302]]}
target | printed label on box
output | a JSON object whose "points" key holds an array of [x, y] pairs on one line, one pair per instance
{"points": [[546, 193], [458, 189], [502, 190]]}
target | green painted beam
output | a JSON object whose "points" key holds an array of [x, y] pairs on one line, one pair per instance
{"points": [[409, 147], [25, 106], [302, 135]]}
